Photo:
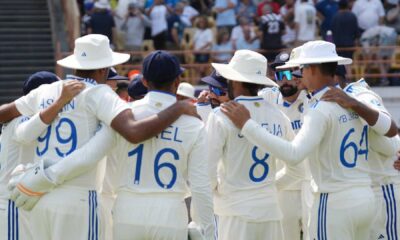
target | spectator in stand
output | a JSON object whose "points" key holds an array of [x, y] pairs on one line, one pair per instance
{"points": [[272, 29], [247, 41], [159, 27], [102, 22], [246, 9], [392, 18], [369, 13], [287, 13], [274, 6], [175, 27], [203, 6], [237, 32], [134, 27], [326, 10], [202, 41], [345, 30], [188, 14], [305, 18], [223, 44], [225, 13], [85, 23]]}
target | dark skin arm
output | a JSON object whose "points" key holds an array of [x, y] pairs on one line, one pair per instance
{"points": [[139, 131], [8, 112], [369, 114]]}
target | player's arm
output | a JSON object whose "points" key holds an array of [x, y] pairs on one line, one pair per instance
{"points": [[8, 112], [216, 139], [200, 186], [380, 121], [384, 145], [29, 130], [293, 152]]}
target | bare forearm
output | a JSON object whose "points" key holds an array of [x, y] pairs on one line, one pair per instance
{"points": [[8, 112], [139, 131], [48, 115]]}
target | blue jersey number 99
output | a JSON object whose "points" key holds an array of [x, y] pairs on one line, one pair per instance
{"points": [[157, 166], [259, 161], [357, 149], [71, 139]]}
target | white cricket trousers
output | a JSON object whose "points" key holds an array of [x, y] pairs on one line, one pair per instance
{"points": [[344, 215], [14, 222], [237, 228], [307, 200], [150, 217], [386, 222], [66, 213], [291, 206]]}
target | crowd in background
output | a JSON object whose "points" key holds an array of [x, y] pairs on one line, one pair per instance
{"points": [[215, 29]]}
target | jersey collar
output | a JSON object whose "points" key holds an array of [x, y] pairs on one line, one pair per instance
{"points": [[320, 92], [160, 99], [248, 98], [88, 80]]}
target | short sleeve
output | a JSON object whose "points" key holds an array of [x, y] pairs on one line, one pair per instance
{"points": [[105, 103], [26, 105]]}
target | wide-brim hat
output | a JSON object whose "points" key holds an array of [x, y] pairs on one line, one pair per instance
{"points": [[186, 90], [317, 52], [294, 54], [93, 52], [246, 66]]}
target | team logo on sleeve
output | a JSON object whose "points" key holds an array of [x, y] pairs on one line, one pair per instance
{"points": [[301, 107]]}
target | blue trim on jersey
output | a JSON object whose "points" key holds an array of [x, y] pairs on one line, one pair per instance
{"points": [[93, 217], [203, 104], [391, 212], [248, 99], [216, 227], [9, 220], [90, 210], [286, 104], [164, 92], [12, 223], [321, 229], [88, 80], [395, 211], [17, 224]]}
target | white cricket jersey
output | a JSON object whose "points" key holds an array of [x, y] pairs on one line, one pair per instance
{"points": [[333, 138], [204, 109], [382, 151], [246, 174], [15, 148], [75, 124], [294, 111], [168, 163]]}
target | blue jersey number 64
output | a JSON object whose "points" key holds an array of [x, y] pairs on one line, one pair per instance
{"points": [[352, 146]]}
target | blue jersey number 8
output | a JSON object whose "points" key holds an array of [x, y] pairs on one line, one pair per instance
{"points": [[72, 138], [157, 165], [259, 161], [357, 149]]}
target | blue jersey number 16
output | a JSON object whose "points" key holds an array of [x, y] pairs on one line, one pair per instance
{"points": [[157, 166], [357, 149]]}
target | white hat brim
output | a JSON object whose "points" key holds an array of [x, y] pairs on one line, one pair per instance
{"points": [[288, 66], [339, 60], [185, 95], [231, 74], [73, 63]]}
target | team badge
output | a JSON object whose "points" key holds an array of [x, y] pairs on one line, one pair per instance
{"points": [[257, 104], [301, 107], [158, 104]]}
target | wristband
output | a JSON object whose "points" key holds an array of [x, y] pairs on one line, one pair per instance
{"points": [[383, 123]]}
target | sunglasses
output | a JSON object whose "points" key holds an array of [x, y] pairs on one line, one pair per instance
{"points": [[217, 91], [287, 73]]}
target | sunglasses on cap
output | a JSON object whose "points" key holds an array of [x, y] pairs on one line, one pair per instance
{"points": [[217, 91], [287, 73]]}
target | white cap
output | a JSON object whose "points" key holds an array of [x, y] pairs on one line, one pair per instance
{"points": [[102, 4], [93, 52], [245, 66], [186, 89], [294, 54], [316, 52]]}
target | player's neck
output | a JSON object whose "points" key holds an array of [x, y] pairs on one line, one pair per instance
{"points": [[322, 81]]}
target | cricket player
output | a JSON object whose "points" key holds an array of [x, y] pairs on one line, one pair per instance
{"points": [[293, 183], [153, 177], [335, 141], [73, 127], [18, 147], [245, 195], [382, 153]]}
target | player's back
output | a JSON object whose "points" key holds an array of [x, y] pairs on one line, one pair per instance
{"points": [[74, 125], [340, 161], [160, 164], [247, 173]]}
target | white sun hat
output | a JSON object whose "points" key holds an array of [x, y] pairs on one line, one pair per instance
{"points": [[294, 54], [186, 89], [315, 52], [245, 66], [102, 4], [93, 52]]}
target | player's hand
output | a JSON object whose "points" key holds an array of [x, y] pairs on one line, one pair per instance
{"points": [[236, 112], [70, 89], [189, 108], [33, 184], [203, 96], [340, 97], [396, 163]]}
